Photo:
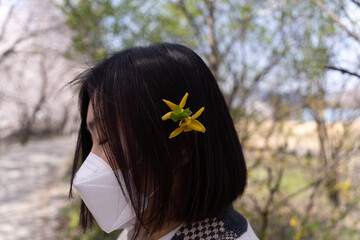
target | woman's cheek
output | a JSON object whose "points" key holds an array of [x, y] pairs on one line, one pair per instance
{"points": [[99, 151]]}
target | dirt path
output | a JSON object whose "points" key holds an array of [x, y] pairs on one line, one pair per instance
{"points": [[32, 188]]}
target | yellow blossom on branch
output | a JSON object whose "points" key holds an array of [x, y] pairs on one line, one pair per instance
{"points": [[293, 222]]}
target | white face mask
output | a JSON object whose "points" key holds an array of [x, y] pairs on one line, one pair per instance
{"points": [[98, 187]]}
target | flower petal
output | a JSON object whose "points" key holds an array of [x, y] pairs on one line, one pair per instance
{"points": [[197, 114], [176, 132], [197, 126], [183, 101], [171, 105], [166, 116], [187, 129]]}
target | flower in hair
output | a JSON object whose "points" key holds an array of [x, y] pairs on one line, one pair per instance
{"points": [[187, 123]]}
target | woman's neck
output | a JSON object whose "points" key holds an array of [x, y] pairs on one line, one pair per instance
{"points": [[165, 230]]}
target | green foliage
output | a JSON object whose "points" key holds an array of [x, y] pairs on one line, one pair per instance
{"points": [[178, 114], [68, 228], [101, 27]]}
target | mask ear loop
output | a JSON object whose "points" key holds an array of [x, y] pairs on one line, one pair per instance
{"points": [[151, 194], [155, 190], [130, 173]]}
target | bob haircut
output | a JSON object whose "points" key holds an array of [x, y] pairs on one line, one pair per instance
{"points": [[197, 175]]}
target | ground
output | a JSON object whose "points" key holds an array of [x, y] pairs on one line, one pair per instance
{"points": [[33, 188]]}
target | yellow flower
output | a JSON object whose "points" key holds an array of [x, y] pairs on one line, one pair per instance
{"points": [[347, 185], [187, 123], [293, 222]]}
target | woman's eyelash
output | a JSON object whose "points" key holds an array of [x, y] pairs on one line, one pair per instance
{"points": [[103, 142], [100, 142]]}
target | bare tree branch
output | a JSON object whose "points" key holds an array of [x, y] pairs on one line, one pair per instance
{"points": [[6, 21], [336, 19], [181, 5], [323, 175], [213, 57], [11, 49], [273, 190], [342, 70], [356, 2]]}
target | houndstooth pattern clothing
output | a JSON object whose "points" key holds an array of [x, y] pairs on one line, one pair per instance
{"points": [[229, 225]]}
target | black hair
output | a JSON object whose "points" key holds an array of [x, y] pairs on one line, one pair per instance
{"points": [[196, 174]]}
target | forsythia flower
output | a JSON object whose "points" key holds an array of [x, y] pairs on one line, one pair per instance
{"points": [[187, 123], [347, 185], [293, 222]]}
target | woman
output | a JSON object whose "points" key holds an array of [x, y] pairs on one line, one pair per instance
{"points": [[160, 155]]}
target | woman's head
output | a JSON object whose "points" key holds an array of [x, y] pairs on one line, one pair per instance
{"points": [[196, 175]]}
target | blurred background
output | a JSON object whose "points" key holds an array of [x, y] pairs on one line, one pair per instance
{"points": [[289, 70]]}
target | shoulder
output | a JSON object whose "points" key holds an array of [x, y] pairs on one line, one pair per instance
{"points": [[249, 234], [236, 225], [229, 224]]}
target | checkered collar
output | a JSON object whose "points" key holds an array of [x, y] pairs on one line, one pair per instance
{"points": [[229, 224]]}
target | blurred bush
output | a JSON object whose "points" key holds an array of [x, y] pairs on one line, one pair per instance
{"points": [[69, 229]]}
